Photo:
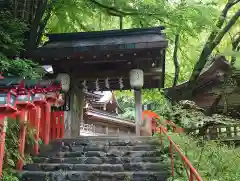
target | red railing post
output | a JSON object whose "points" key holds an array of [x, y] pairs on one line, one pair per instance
{"points": [[52, 127], [57, 123], [2, 142], [193, 173], [37, 119], [191, 177], [42, 122], [172, 159], [164, 132], [186, 168], [23, 119], [161, 135], [62, 124], [47, 111]]}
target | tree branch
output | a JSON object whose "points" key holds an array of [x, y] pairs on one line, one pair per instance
{"points": [[229, 25], [44, 22], [32, 40], [120, 13], [121, 22], [213, 107], [236, 41], [175, 60], [207, 50], [15, 8], [222, 18], [117, 12], [235, 47], [24, 9]]}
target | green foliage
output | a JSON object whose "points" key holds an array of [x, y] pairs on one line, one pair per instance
{"points": [[12, 39], [11, 34], [192, 20], [188, 115], [126, 101], [213, 160], [20, 67], [11, 148], [9, 176]]}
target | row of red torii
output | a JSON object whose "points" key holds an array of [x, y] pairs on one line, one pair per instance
{"points": [[30, 103]]}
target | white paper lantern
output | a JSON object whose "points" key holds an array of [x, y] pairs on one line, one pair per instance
{"points": [[65, 81], [136, 78]]}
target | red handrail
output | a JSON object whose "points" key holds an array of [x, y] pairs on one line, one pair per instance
{"points": [[193, 172]]}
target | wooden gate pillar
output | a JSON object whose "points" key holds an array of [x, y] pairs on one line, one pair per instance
{"points": [[138, 110], [76, 109]]}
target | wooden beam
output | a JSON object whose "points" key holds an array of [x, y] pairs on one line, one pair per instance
{"points": [[149, 83], [101, 57], [114, 74], [46, 53]]}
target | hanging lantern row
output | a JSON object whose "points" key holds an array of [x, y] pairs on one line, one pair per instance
{"points": [[24, 98], [16, 95], [106, 81], [8, 101]]}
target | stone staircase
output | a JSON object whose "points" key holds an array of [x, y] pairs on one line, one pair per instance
{"points": [[99, 159]]}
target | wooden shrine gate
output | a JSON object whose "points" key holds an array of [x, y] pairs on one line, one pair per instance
{"points": [[29, 102]]}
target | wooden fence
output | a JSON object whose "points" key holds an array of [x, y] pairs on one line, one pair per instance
{"points": [[222, 132]]}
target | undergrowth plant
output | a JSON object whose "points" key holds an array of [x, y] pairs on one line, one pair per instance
{"points": [[213, 160], [189, 116], [11, 153]]}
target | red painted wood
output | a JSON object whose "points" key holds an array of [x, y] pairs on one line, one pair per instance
{"points": [[53, 126], [62, 124], [37, 119], [3, 123], [47, 111], [22, 138], [42, 122], [57, 125], [175, 147]]}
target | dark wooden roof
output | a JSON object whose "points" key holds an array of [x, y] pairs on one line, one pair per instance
{"points": [[91, 56], [211, 77], [108, 117], [209, 86], [71, 44], [94, 100]]}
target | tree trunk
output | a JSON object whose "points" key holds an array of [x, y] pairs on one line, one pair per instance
{"points": [[175, 60], [213, 40]]}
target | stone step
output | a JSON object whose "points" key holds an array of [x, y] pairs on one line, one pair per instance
{"points": [[97, 160], [140, 166], [100, 147], [114, 153], [110, 138], [51, 150], [93, 176], [109, 142]]}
